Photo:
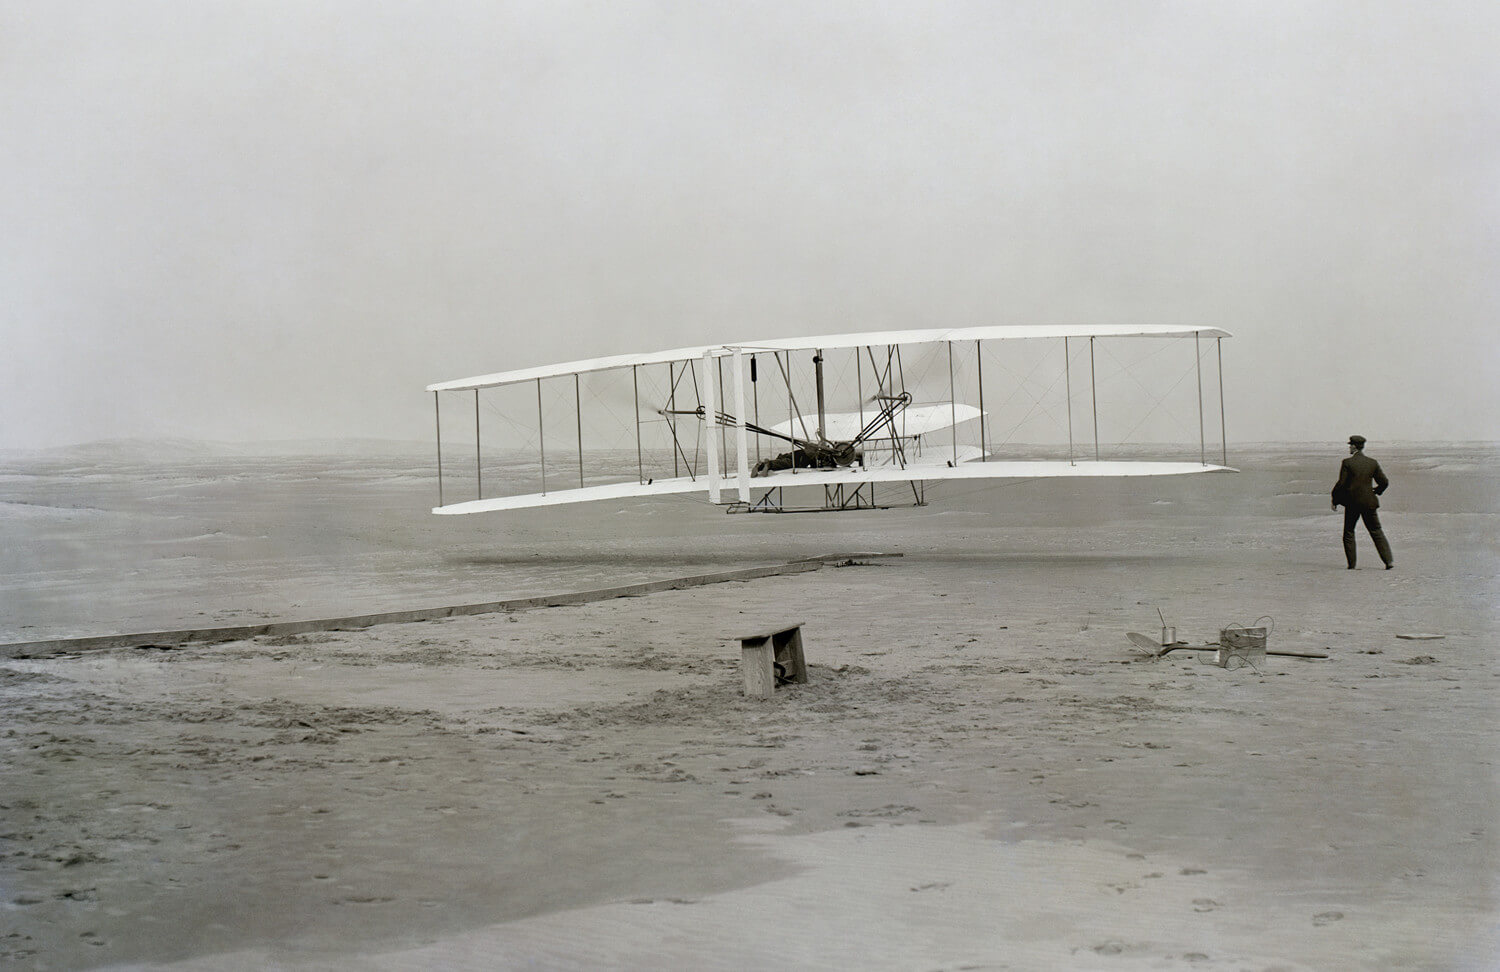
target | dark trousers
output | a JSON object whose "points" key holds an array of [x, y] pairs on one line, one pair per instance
{"points": [[1352, 515]]}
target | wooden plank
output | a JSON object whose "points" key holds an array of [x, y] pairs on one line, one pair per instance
{"points": [[761, 632], [757, 671]]}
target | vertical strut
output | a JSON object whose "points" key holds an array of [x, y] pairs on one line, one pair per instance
{"points": [[979, 359], [741, 434], [790, 427], [755, 394], [711, 430], [1094, 391], [723, 445], [859, 387], [635, 385], [578, 413], [953, 403], [818, 379], [671, 405], [437, 412], [541, 437], [1068, 379], [1198, 364], [478, 461], [1223, 433]]}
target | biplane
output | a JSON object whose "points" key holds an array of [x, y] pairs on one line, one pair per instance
{"points": [[832, 423]]}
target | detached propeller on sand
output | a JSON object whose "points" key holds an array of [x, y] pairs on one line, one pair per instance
{"points": [[1150, 647], [1234, 641]]}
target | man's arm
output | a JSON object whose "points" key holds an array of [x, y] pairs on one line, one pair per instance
{"points": [[1341, 488], [1380, 481]]}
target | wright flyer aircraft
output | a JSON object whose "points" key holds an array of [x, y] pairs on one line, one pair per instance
{"points": [[836, 422]]}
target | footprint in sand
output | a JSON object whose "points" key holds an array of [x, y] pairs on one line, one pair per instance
{"points": [[77, 894], [13, 947], [1327, 917], [651, 901], [1205, 904]]}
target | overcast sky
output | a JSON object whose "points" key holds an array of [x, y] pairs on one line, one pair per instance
{"points": [[246, 220]]}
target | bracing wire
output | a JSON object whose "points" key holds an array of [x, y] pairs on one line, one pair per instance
{"points": [[1157, 403], [1019, 384]]}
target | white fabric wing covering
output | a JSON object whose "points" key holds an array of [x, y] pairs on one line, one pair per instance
{"points": [[830, 341]]}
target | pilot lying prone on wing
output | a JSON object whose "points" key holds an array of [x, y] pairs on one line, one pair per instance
{"points": [[831, 456]]}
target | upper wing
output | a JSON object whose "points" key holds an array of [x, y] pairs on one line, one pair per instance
{"points": [[829, 341]]}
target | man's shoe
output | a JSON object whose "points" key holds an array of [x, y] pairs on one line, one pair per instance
{"points": [[1390, 566]]}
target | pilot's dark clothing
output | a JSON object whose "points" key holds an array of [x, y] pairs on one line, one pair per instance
{"points": [[1361, 482]]}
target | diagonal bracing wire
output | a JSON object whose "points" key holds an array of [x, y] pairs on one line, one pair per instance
{"points": [[1157, 400], [1037, 401]]}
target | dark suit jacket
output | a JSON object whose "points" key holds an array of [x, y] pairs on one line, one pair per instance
{"points": [[1354, 488]]}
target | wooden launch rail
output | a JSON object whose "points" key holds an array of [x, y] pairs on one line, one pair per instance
{"points": [[167, 639]]}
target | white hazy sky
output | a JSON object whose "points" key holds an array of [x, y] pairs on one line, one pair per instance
{"points": [[258, 219]]}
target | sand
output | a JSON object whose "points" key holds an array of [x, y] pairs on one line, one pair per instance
{"points": [[981, 773]]}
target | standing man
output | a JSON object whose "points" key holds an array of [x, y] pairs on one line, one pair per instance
{"points": [[1358, 497]]}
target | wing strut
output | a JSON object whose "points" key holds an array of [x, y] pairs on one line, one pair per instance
{"points": [[640, 462], [952, 404], [1068, 378], [755, 396], [859, 387], [711, 432], [540, 437], [1223, 433], [1198, 365], [818, 376], [437, 410], [979, 359], [741, 437], [578, 413], [1094, 392]]}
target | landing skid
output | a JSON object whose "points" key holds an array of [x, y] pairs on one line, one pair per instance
{"points": [[836, 499]]}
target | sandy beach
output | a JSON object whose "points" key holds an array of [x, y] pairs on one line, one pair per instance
{"points": [[981, 773]]}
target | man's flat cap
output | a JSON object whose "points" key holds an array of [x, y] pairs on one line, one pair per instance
{"points": [[1357, 440]]}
